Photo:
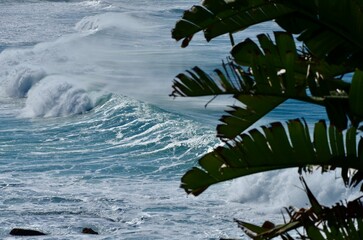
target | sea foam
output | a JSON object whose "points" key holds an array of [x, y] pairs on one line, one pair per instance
{"points": [[56, 96], [21, 80]]}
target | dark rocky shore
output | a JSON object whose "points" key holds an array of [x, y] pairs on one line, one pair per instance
{"points": [[31, 232]]}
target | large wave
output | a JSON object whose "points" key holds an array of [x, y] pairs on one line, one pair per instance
{"points": [[129, 53], [55, 96], [20, 80]]}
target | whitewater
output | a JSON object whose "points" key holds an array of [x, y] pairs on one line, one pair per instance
{"points": [[90, 138]]}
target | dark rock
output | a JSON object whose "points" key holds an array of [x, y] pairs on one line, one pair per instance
{"points": [[268, 225], [25, 232], [89, 231]]}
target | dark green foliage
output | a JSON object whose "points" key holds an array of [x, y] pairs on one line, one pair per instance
{"points": [[341, 221], [275, 148], [315, 58]]}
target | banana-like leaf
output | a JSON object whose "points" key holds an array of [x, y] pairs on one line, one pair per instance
{"points": [[342, 221], [199, 83], [278, 75], [356, 96], [217, 17], [240, 118], [276, 67], [260, 233], [331, 30], [276, 72], [277, 149], [244, 85], [339, 108]]}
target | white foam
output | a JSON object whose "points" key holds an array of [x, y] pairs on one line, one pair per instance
{"points": [[56, 96], [96, 4], [20, 80], [122, 21], [283, 188]]}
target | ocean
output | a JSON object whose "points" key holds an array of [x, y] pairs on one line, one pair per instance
{"points": [[90, 138]]}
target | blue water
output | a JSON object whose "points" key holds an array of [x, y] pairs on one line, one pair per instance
{"points": [[90, 138]]}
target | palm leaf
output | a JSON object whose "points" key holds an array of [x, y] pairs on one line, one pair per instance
{"points": [[217, 17], [356, 97], [240, 118], [199, 83], [341, 221], [270, 88], [331, 30], [266, 76], [276, 149], [340, 107], [276, 67]]}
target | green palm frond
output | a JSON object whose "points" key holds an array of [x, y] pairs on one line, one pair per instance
{"points": [[239, 118], [326, 70], [199, 83], [356, 97], [264, 77], [276, 67], [331, 30], [341, 221], [217, 17], [274, 148], [265, 83]]}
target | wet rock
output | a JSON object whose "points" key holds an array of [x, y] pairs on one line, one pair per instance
{"points": [[89, 231], [25, 232], [268, 225]]}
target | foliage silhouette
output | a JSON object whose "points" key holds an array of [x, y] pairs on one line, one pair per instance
{"points": [[316, 58]]}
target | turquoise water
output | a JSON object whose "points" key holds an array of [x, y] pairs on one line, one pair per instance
{"points": [[90, 138]]}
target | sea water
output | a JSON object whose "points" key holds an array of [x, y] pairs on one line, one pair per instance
{"points": [[90, 138]]}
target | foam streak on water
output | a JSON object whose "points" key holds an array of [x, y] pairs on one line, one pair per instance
{"points": [[90, 138]]}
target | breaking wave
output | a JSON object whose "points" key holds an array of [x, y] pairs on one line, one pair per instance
{"points": [[56, 97]]}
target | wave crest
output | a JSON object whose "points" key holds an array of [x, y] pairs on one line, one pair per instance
{"points": [[122, 21], [56, 97], [88, 24], [20, 81]]}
